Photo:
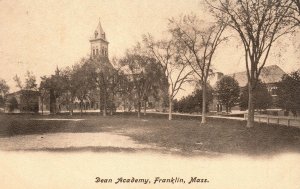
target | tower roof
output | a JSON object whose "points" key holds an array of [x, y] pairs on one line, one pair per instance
{"points": [[99, 33]]}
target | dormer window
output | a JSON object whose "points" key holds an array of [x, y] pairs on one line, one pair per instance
{"points": [[96, 34]]}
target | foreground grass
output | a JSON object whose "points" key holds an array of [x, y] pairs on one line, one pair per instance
{"points": [[182, 135]]}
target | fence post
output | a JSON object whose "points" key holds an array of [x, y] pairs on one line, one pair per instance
{"points": [[278, 120], [268, 121], [288, 122]]}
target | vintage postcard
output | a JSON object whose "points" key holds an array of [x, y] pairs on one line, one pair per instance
{"points": [[149, 94]]}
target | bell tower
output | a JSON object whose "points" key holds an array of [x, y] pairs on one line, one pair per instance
{"points": [[99, 43]]}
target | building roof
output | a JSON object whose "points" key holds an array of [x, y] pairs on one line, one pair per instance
{"points": [[24, 91], [99, 33], [269, 74]]}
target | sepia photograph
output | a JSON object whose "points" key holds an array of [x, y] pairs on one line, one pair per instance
{"points": [[150, 94]]}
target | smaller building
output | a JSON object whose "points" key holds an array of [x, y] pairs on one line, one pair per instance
{"points": [[270, 75], [23, 101]]}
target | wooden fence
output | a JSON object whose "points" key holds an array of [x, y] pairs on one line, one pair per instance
{"points": [[280, 120]]}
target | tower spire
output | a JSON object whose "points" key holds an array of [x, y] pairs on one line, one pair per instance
{"points": [[99, 43]]}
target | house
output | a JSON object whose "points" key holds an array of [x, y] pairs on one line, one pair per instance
{"points": [[270, 75], [22, 101]]}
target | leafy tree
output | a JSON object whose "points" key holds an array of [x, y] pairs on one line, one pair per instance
{"points": [[198, 41], [80, 82], [193, 102], [44, 94], [289, 92], [4, 89], [57, 86], [144, 73], [30, 84], [259, 24], [100, 72], [117, 78], [126, 88], [228, 92], [261, 97]]}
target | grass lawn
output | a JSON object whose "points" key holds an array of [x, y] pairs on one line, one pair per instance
{"points": [[183, 135]]}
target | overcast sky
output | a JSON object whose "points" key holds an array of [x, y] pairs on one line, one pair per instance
{"points": [[40, 35]]}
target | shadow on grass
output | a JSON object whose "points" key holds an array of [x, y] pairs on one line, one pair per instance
{"points": [[183, 135]]}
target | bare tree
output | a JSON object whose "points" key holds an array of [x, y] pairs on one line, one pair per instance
{"points": [[177, 73], [296, 8], [18, 81], [197, 41], [30, 81], [259, 23]]}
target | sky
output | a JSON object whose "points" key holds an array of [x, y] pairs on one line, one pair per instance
{"points": [[40, 35]]}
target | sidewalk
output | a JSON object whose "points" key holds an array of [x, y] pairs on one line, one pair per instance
{"points": [[272, 119], [198, 115]]}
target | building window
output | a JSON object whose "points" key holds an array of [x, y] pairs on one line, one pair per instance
{"points": [[93, 52], [274, 91], [97, 51]]}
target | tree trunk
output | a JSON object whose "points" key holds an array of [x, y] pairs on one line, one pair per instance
{"points": [[170, 108], [52, 102], [124, 105], [71, 107], [112, 103], [250, 120], [139, 109], [111, 108], [104, 104], [81, 103], [145, 108], [203, 121], [42, 107], [99, 102]]}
